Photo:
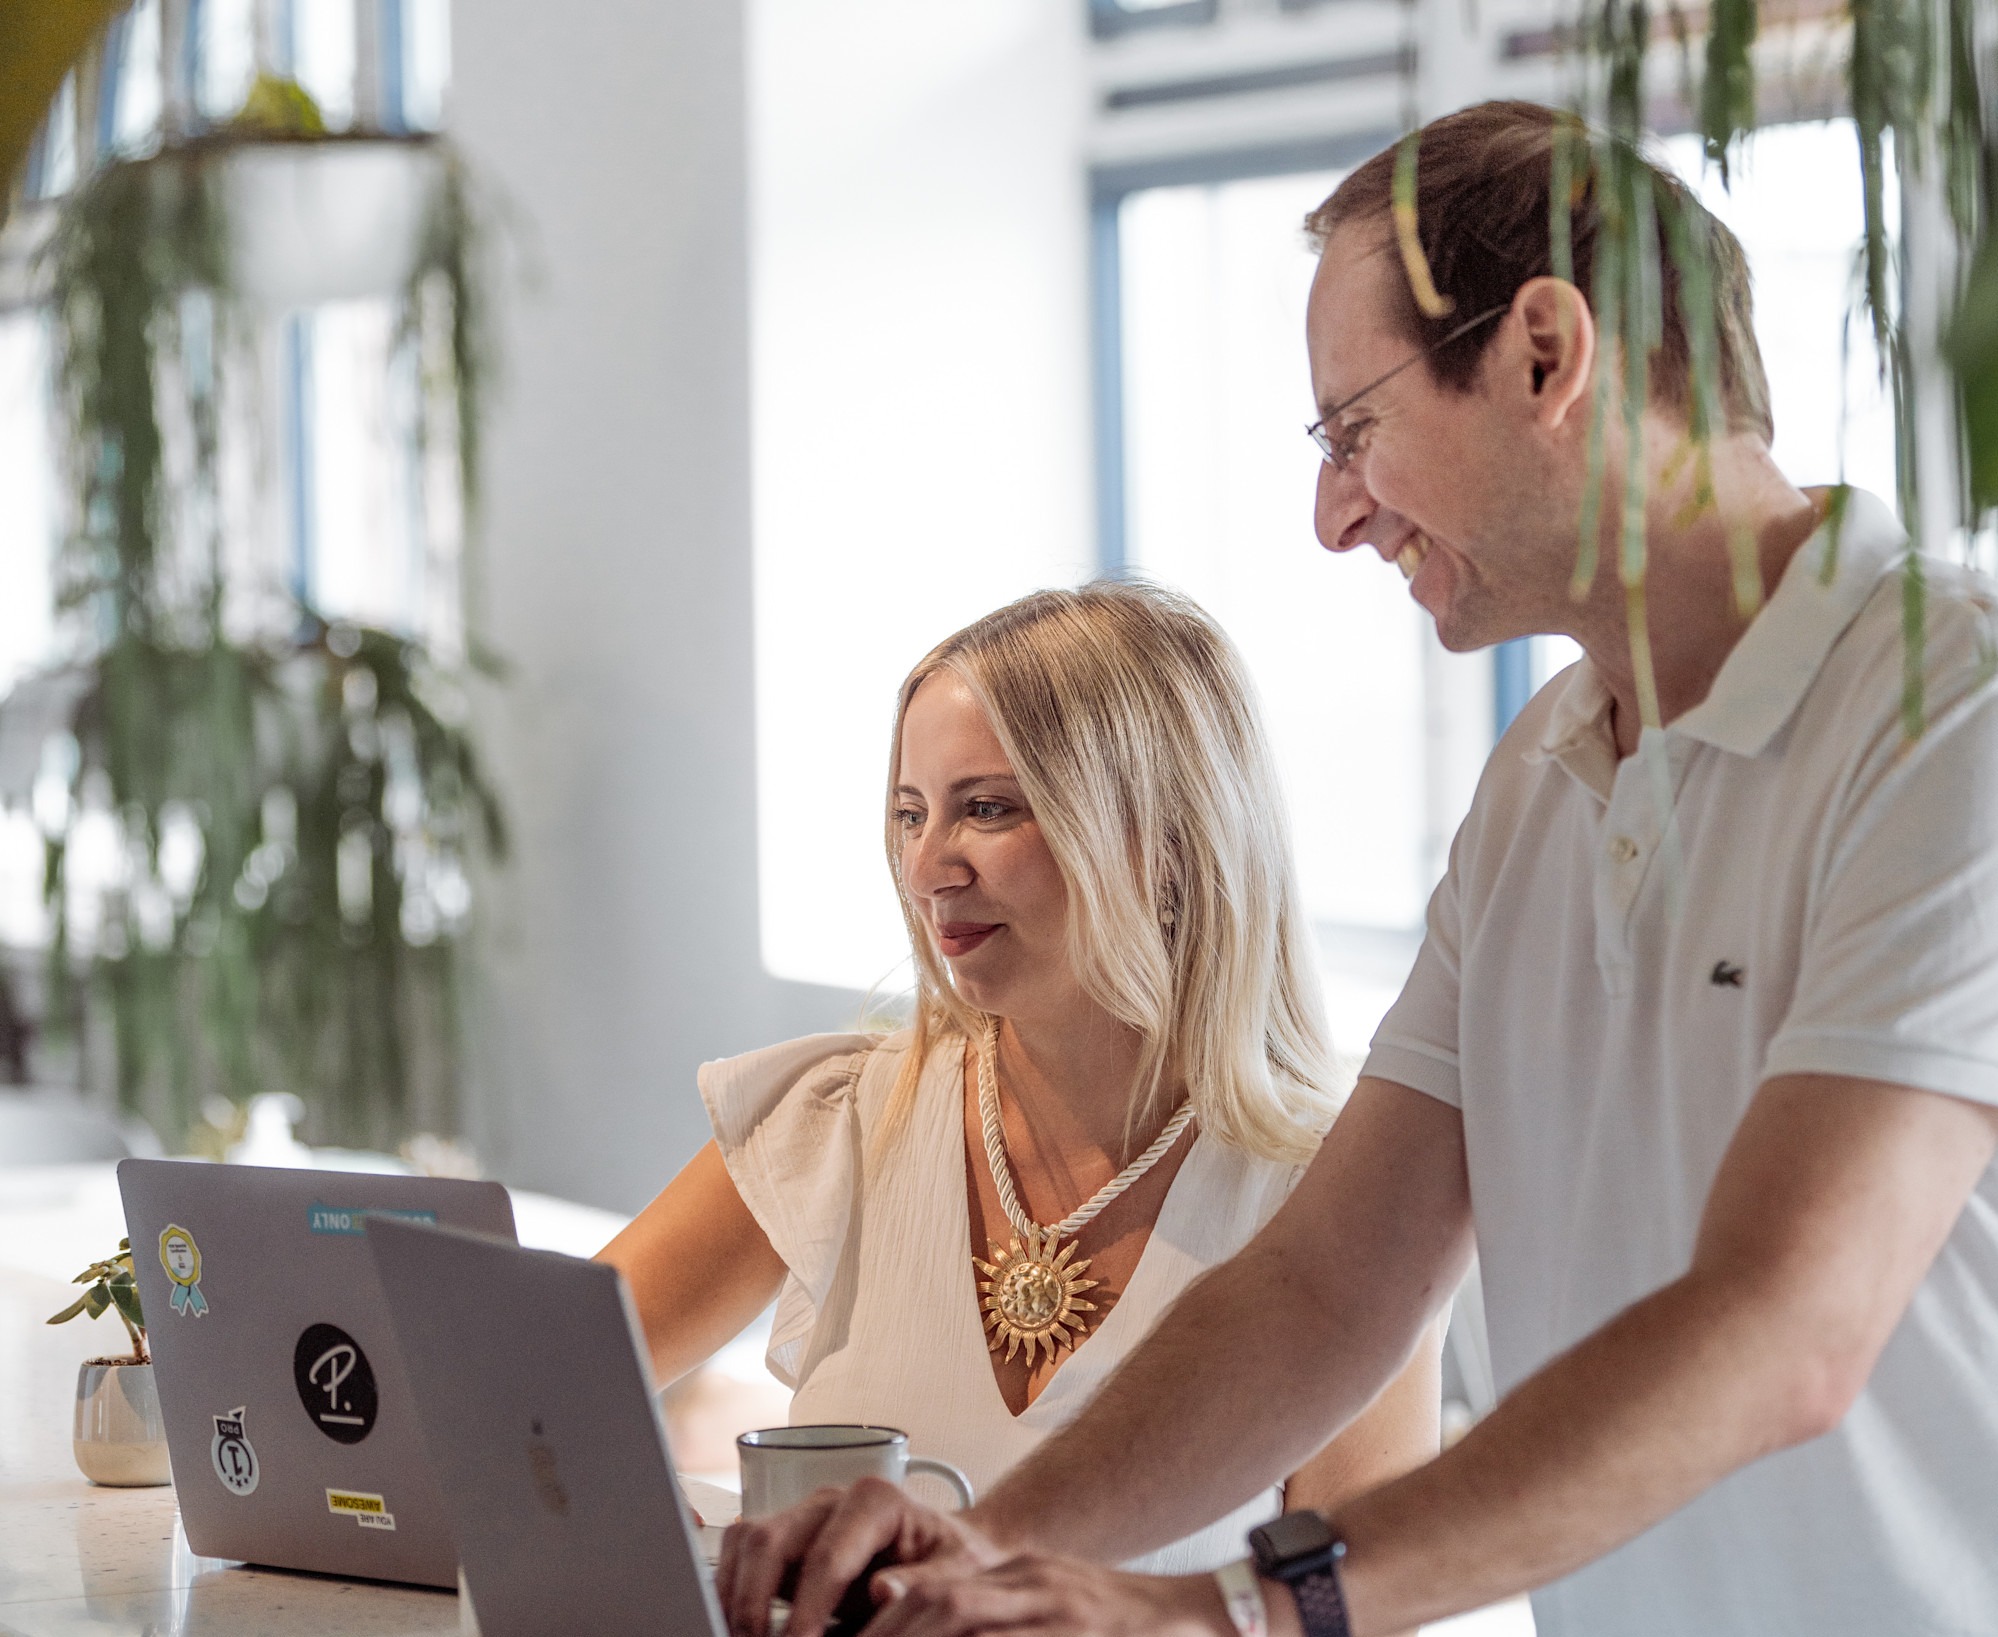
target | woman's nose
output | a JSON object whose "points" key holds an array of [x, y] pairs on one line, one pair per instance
{"points": [[932, 862]]}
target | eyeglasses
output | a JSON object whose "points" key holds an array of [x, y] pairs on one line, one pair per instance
{"points": [[1341, 445]]}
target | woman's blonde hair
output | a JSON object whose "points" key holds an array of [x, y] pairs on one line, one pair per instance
{"points": [[1133, 730]]}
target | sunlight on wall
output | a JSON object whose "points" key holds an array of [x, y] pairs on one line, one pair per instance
{"points": [[920, 404]]}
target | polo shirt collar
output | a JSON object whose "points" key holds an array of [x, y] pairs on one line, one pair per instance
{"points": [[1765, 677], [1771, 667]]}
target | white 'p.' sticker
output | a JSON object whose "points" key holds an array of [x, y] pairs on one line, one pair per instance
{"points": [[235, 1462]]}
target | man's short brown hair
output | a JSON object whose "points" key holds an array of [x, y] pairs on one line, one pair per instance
{"points": [[1483, 180]]}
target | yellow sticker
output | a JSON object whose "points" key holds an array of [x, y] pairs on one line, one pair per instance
{"points": [[369, 1511], [181, 1258]]}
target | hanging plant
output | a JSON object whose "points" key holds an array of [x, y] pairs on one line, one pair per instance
{"points": [[1912, 82], [296, 806]]}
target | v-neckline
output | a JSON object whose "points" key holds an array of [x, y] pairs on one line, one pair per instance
{"points": [[967, 1304]]}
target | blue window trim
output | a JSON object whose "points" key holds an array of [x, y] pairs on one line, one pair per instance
{"points": [[110, 79], [299, 456], [1110, 18], [394, 66], [1512, 682]]}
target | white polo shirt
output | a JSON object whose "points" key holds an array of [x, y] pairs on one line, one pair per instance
{"points": [[1837, 912]]}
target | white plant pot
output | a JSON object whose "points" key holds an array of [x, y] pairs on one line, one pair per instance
{"points": [[326, 221], [119, 1438]]}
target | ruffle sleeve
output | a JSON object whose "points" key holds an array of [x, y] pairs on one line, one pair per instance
{"points": [[786, 1119]]}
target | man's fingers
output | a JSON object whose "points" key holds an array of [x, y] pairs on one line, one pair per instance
{"points": [[868, 1517], [756, 1552], [944, 1605]]}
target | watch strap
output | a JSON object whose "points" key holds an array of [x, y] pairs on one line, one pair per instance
{"points": [[1321, 1605]]}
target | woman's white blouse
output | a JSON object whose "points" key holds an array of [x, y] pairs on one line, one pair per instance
{"points": [[878, 1320]]}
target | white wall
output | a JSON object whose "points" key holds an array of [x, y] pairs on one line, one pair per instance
{"points": [[921, 405], [622, 941]]}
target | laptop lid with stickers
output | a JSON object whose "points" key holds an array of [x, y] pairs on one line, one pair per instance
{"points": [[294, 1438], [543, 1419]]}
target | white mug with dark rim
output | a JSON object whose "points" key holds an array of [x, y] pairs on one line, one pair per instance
{"points": [[782, 1466]]}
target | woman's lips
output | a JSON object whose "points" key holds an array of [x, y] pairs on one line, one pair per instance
{"points": [[957, 938]]}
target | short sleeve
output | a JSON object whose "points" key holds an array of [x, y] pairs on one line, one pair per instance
{"points": [[1898, 975], [787, 1123], [1416, 1044]]}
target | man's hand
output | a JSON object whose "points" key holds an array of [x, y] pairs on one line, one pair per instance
{"points": [[830, 1539], [1050, 1597]]}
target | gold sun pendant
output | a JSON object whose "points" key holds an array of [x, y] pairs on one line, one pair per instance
{"points": [[1033, 1297]]}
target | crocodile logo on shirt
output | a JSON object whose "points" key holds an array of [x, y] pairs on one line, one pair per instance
{"points": [[1726, 975]]}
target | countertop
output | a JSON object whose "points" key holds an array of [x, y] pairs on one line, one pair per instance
{"points": [[76, 1558]]}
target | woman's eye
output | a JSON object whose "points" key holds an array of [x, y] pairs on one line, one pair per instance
{"points": [[987, 810], [907, 818]]}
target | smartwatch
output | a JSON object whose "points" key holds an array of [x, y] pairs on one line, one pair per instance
{"points": [[1300, 1550]]}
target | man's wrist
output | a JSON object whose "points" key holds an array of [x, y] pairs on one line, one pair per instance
{"points": [[992, 1537], [1301, 1552]]}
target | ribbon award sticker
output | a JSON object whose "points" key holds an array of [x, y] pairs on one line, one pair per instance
{"points": [[234, 1461], [181, 1258]]}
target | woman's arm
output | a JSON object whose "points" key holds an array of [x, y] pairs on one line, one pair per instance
{"points": [[1395, 1434], [1398, 1432], [698, 1265]]}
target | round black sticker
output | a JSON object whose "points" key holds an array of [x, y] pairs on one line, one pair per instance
{"points": [[335, 1384]]}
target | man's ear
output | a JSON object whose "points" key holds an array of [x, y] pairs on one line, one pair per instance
{"points": [[1560, 334]]}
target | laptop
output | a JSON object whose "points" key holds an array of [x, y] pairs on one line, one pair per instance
{"points": [[289, 1421], [540, 1409]]}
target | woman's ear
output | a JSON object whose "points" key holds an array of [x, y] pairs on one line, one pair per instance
{"points": [[1560, 334]]}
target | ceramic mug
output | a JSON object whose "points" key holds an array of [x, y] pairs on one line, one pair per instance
{"points": [[782, 1466]]}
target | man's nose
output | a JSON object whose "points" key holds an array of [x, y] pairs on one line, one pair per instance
{"points": [[1342, 509]]}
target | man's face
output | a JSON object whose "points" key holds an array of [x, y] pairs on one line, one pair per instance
{"points": [[1460, 489]]}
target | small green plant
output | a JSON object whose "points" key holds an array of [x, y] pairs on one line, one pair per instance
{"points": [[112, 1285]]}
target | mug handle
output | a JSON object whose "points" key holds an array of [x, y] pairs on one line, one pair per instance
{"points": [[950, 1475]]}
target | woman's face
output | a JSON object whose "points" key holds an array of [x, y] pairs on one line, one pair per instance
{"points": [[974, 862]]}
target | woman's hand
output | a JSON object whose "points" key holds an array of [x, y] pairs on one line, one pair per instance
{"points": [[830, 1540], [1050, 1597]]}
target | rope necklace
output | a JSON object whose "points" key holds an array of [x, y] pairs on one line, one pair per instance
{"points": [[1032, 1295]]}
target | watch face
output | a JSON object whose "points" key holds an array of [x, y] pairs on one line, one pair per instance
{"points": [[1294, 1535]]}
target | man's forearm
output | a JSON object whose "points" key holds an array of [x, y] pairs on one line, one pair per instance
{"points": [[1268, 1356], [1218, 1404]]}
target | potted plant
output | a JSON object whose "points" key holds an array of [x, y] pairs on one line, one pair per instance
{"points": [[118, 1437]]}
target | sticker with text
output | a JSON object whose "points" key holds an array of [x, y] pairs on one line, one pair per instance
{"points": [[181, 1258], [353, 1220], [229, 1452], [369, 1511], [335, 1383]]}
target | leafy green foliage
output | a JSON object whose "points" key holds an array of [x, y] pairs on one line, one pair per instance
{"points": [[300, 807], [1917, 107], [1973, 352], [112, 1285]]}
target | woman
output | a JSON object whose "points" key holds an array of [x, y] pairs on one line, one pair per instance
{"points": [[1116, 1072]]}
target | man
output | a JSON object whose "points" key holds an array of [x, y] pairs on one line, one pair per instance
{"points": [[1702, 1042]]}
